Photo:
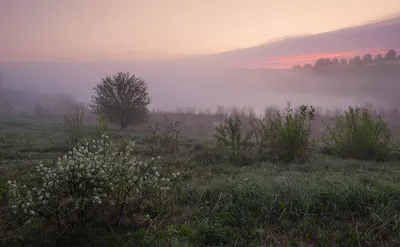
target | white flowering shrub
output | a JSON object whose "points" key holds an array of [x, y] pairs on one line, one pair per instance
{"points": [[93, 178]]}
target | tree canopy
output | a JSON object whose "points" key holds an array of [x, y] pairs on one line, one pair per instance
{"points": [[391, 55], [122, 98]]}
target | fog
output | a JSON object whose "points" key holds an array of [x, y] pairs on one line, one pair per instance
{"points": [[219, 79], [173, 85]]}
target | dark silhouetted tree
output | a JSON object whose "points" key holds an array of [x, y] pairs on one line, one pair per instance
{"points": [[322, 62], [319, 63], [343, 61], [378, 58], [296, 67], [391, 55], [335, 62], [355, 61], [307, 66], [398, 57], [122, 98], [367, 58]]}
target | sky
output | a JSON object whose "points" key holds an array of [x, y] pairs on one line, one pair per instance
{"points": [[131, 30]]}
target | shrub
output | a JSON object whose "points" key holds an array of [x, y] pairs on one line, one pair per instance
{"points": [[258, 128], [169, 138], [102, 124], [358, 134], [73, 127], [93, 181], [163, 136], [152, 139], [230, 141], [288, 135]]}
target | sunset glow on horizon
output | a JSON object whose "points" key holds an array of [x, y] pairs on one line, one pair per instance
{"points": [[288, 62]]}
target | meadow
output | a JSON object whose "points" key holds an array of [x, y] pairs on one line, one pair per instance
{"points": [[296, 177]]}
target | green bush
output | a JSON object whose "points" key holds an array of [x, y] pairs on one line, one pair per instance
{"points": [[230, 141], [359, 134], [287, 136]]}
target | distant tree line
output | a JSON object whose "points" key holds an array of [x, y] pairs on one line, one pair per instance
{"points": [[355, 61]]}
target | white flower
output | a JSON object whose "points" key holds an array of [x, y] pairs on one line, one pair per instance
{"points": [[93, 174]]}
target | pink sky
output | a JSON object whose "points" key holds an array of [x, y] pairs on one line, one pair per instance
{"points": [[131, 30]]}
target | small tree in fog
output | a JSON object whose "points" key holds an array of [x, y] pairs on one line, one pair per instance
{"points": [[122, 98]]}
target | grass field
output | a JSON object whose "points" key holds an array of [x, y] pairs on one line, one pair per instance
{"points": [[324, 201]]}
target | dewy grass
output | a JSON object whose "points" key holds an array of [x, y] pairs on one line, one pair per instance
{"points": [[290, 203]]}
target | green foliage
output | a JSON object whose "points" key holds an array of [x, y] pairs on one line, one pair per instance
{"points": [[230, 141], [122, 98], [288, 135], [73, 131], [358, 134], [259, 128]]}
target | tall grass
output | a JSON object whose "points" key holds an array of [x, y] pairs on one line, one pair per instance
{"points": [[73, 131], [321, 210]]}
